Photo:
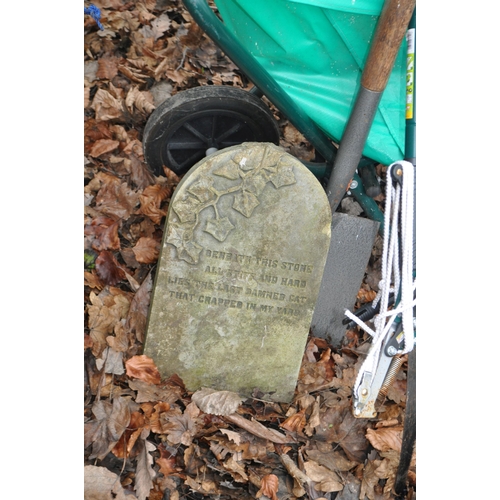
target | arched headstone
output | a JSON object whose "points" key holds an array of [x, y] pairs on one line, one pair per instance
{"points": [[246, 240]]}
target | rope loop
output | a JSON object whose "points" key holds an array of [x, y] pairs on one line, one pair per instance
{"points": [[397, 267]]}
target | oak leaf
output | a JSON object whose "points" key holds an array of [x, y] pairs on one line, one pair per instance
{"points": [[146, 250], [269, 487], [143, 368], [217, 402]]}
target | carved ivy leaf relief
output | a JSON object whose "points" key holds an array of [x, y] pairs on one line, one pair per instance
{"points": [[230, 171], [248, 160], [190, 252], [175, 235], [219, 228], [284, 175], [180, 238], [202, 189], [245, 202], [187, 208], [254, 167], [254, 184]]}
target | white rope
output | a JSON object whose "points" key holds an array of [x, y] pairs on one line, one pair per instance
{"points": [[397, 268]]}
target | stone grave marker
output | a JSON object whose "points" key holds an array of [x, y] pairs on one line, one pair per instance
{"points": [[246, 239]]}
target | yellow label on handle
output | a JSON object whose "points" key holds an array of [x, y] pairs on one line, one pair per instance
{"points": [[410, 72]]}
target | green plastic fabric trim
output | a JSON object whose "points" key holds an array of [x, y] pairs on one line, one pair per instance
{"points": [[369, 7], [315, 50]]}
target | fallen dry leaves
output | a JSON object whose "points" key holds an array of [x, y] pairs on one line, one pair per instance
{"points": [[269, 487], [150, 438], [143, 368]]}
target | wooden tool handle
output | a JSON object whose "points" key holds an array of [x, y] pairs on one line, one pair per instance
{"points": [[391, 29]]}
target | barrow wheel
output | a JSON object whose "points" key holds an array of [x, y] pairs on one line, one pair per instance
{"points": [[196, 122]]}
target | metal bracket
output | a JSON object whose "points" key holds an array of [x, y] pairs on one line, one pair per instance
{"points": [[366, 395]]}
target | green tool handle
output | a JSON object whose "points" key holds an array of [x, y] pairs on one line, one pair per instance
{"points": [[410, 429]]}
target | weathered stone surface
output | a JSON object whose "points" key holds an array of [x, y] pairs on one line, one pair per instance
{"points": [[350, 249], [245, 244]]}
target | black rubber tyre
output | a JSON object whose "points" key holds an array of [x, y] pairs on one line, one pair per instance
{"points": [[181, 130]]}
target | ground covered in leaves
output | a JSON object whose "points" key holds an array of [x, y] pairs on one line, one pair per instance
{"points": [[151, 438]]}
